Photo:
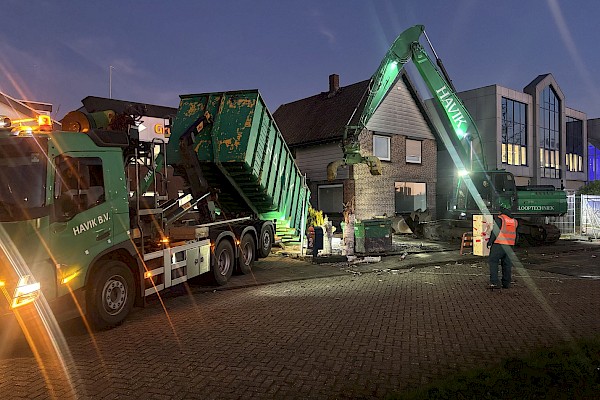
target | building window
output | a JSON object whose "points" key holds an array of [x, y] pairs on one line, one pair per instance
{"points": [[381, 147], [574, 153], [514, 132], [410, 196], [549, 133], [593, 163], [413, 151], [331, 198]]}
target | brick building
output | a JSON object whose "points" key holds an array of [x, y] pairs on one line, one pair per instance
{"points": [[399, 133]]}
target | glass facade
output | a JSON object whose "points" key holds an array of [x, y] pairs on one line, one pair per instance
{"points": [[514, 132], [593, 163], [574, 153], [549, 133]]}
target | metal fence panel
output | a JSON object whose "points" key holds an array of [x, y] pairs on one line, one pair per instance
{"points": [[590, 216], [566, 223]]}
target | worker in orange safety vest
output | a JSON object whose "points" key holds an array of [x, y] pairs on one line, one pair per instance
{"points": [[502, 239]]}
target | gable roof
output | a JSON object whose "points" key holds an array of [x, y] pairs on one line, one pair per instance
{"points": [[531, 87], [321, 118], [94, 104]]}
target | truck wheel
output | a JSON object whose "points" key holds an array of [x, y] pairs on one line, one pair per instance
{"points": [[223, 262], [265, 241], [247, 254], [110, 296]]}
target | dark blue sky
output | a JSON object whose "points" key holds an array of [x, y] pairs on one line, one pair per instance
{"points": [[60, 51]]}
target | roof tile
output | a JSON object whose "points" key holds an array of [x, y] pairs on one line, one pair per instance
{"points": [[322, 117]]}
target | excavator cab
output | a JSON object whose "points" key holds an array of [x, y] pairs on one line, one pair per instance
{"points": [[505, 190], [485, 192]]}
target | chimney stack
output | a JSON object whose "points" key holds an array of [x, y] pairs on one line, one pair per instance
{"points": [[334, 84]]}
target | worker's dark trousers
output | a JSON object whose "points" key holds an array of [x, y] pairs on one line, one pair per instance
{"points": [[500, 254]]}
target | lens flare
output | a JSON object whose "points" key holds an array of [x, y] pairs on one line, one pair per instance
{"points": [[36, 320]]}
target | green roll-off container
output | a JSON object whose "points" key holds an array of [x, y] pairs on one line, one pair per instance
{"points": [[373, 236], [240, 148]]}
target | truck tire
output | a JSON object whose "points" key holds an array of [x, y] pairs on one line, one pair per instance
{"points": [[223, 262], [247, 254], [110, 296], [265, 241]]}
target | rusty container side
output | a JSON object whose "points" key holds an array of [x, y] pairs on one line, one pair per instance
{"points": [[241, 144]]}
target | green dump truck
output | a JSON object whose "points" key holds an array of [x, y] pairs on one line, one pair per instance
{"points": [[96, 219]]}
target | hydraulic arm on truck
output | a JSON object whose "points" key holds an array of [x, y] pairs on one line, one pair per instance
{"points": [[98, 216]]}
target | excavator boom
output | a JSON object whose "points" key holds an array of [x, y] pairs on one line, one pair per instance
{"points": [[465, 141], [397, 56]]}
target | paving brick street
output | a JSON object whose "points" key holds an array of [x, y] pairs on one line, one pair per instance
{"points": [[299, 201], [315, 331]]}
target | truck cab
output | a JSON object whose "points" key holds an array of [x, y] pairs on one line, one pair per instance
{"points": [[64, 205]]}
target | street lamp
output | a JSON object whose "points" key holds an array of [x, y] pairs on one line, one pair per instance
{"points": [[110, 70]]}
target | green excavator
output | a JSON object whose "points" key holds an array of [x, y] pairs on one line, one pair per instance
{"points": [[476, 189]]}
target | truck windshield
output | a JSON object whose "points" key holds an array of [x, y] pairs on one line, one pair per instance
{"points": [[22, 178]]}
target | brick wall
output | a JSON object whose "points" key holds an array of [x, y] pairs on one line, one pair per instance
{"points": [[375, 195]]}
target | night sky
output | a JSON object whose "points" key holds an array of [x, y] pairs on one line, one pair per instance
{"points": [[60, 51]]}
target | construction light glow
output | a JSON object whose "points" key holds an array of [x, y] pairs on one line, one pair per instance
{"points": [[23, 131], [44, 122], [5, 122], [69, 278], [26, 291]]}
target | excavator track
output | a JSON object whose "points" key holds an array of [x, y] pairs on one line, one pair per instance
{"points": [[450, 230], [541, 234]]}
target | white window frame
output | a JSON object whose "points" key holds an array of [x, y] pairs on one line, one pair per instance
{"points": [[388, 139], [420, 155]]}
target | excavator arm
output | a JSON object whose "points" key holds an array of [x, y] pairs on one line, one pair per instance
{"points": [[464, 143]]}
